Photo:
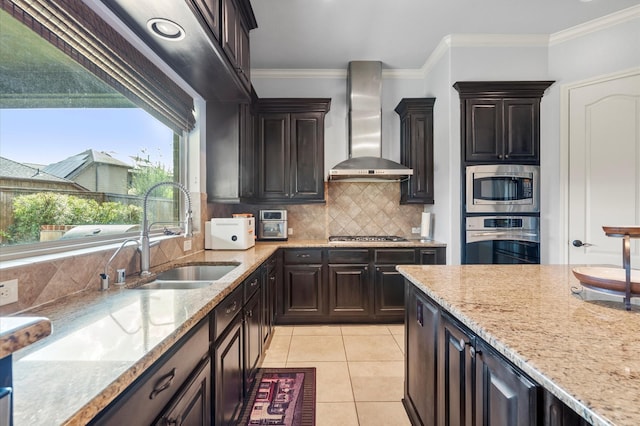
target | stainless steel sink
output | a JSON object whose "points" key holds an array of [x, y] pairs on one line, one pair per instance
{"points": [[189, 277]]}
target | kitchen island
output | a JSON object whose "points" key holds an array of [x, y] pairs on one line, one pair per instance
{"points": [[584, 353]]}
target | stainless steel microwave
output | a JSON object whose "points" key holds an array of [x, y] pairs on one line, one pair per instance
{"points": [[497, 188]]}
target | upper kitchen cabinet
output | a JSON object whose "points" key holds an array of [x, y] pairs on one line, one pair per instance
{"points": [[416, 149], [500, 121], [211, 54], [290, 147]]}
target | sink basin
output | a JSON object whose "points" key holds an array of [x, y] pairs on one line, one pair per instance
{"points": [[189, 277], [197, 272]]}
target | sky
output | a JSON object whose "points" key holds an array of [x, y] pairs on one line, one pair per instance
{"points": [[45, 136]]}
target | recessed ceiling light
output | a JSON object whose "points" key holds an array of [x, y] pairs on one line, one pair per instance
{"points": [[165, 29]]}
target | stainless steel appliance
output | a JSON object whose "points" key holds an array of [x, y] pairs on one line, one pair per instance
{"points": [[272, 225], [366, 238], [502, 240], [502, 188]]}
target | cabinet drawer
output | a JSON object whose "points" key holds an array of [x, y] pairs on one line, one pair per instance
{"points": [[251, 285], [148, 396], [302, 256], [224, 313], [348, 256], [395, 256]]}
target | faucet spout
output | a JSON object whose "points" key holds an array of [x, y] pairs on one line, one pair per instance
{"points": [[145, 246], [105, 275]]}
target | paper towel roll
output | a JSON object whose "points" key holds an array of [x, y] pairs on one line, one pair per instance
{"points": [[425, 226]]}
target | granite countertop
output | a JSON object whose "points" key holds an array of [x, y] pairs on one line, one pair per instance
{"points": [[103, 341], [583, 350], [19, 332]]}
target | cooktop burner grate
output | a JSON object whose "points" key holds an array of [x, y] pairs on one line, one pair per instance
{"points": [[366, 238]]}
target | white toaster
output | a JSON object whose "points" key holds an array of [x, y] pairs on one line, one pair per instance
{"points": [[237, 233]]}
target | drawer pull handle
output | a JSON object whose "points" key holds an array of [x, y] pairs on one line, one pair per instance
{"points": [[254, 283], [304, 255], [163, 383], [232, 308]]}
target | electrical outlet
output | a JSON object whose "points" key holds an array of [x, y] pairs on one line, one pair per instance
{"points": [[290, 231], [8, 292], [415, 230], [186, 245]]}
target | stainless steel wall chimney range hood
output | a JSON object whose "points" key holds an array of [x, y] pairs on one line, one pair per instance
{"points": [[364, 91]]}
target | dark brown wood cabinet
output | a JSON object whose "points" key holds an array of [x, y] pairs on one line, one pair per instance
{"points": [[346, 284], [235, 38], [228, 392], [421, 374], [455, 396], [453, 377], [503, 396], [500, 121], [416, 149], [290, 146]]}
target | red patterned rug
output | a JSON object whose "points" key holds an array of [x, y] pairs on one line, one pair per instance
{"points": [[282, 396]]}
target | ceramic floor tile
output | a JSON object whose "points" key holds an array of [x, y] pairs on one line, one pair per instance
{"points": [[283, 330], [317, 330], [396, 329], [377, 381], [336, 413], [382, 414], [365, 330], [332, 380], [372, 348], [399, 338], [278, 349], [316, 348]]}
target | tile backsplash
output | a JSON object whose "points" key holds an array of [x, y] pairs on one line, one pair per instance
{"points": [[351, 208]]}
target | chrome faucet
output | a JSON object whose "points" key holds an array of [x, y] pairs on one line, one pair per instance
{"points": [[145, 246], [105, 276]]}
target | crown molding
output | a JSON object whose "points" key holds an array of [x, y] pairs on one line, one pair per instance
{"points": [[594, 25], [468, 40]]}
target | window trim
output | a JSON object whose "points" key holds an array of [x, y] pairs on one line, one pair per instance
{"points": [[77, 30]]}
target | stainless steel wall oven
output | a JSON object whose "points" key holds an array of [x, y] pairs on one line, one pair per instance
{"points": [[502, 240]]}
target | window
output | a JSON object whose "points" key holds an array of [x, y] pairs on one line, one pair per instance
{"points": [[83, 136]]}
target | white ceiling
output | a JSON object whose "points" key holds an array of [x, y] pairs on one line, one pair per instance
{"points": [[327, 34]]}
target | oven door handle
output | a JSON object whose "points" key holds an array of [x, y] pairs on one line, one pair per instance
{"points": [[516, 236]]}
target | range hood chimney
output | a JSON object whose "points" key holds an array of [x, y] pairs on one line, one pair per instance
{"points": [[364, 87]]}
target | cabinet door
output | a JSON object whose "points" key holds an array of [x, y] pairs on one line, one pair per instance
{"points": [[433, 256], [230, 22], [210, 10], [307, 156], [389, 292], [228, 375], [303, 291], [192, 406], [248, 156], [483, 124], [252, 338], [243, 65], [455, 383], [274, 164], [349, 293], [521, 129], [503, 396], [421, 345], [419, 187]]}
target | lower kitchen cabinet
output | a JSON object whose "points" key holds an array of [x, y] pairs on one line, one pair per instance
{"points": [[353, 284], [504, 396], [453, 377], [176, 386], [193, 405], [421, 337], [252, 336], [228, 391]]}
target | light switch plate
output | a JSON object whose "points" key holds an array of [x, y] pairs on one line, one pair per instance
{"points": [[186, 245], [8, 292], [415, 230]]}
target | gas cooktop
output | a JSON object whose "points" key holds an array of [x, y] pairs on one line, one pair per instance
{"points": [[366, 238]]}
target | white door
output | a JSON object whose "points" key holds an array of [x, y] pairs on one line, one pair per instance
{"points": [[604, 168]]}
